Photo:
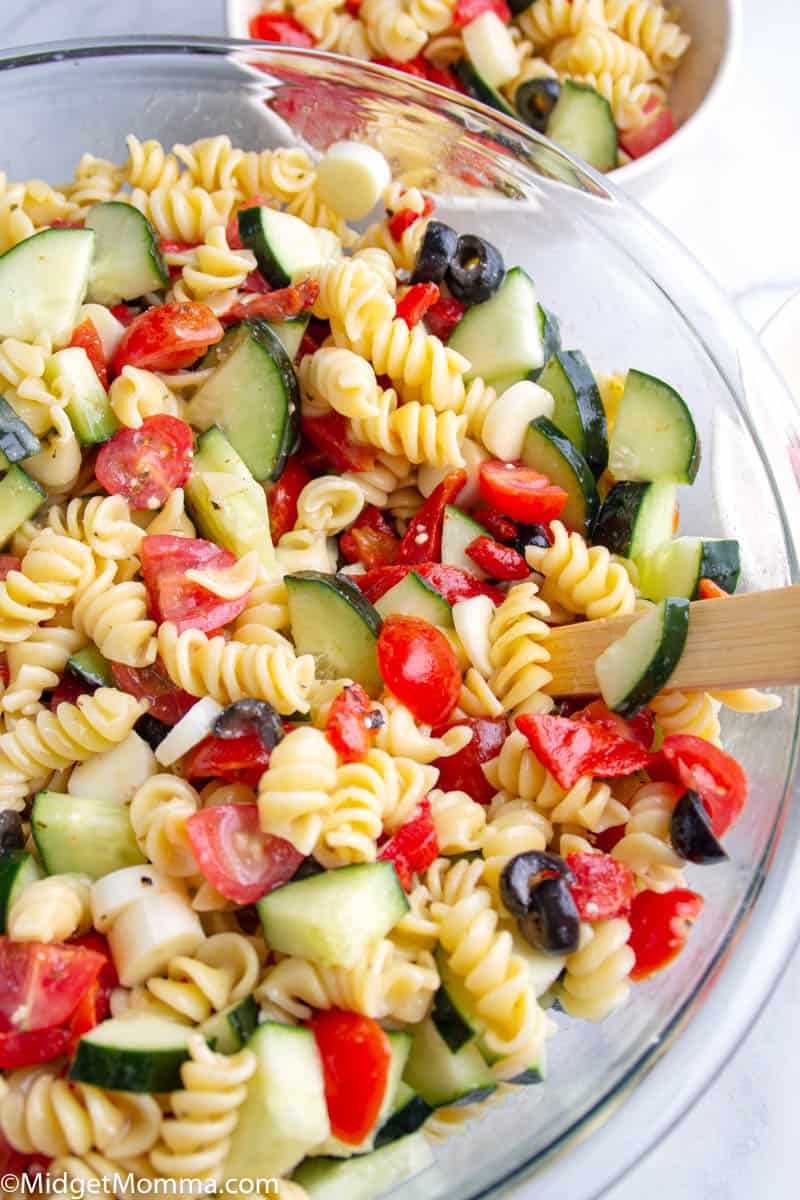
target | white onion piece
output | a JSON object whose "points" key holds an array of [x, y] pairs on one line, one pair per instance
{"points": [[190, 730]]}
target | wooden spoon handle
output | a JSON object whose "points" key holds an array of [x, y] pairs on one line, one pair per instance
{"points": [[752, 640]]}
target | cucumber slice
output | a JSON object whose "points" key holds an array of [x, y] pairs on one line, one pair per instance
{"points": [[334, 1147], [285, 247], [442, 1075], [290, 333], [410, 1113], [20, 498], [127, 256], [330, 619], [550, 452], [88, 408], [116, 773], [16, 440], [654, 436], [501, 337], [336, 916], [676, 568], [227, 1031], [370, 1175], [18, 869], [636, 518], [83, 834], [284, 1114], [458, 531], [635, 668], [252, 396], [43, 281], [550, 331], [578, 410], [480, 88], [132, 1054], [491, 50], [226, 503], [413, 597], [583, 124], [91, 667]]}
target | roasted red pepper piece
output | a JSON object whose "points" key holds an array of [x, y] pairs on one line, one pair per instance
{"points": [[412, 307], [282, 498], [570, 749], [330, 435], [443, 316], [280, 305], [602, 888], [370, 540], [414, 847], [348, 727], [660, 924], [423, 538], [451, 582], [463, 772], [498, 561]]}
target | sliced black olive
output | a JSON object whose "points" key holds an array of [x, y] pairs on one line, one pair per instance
{"points": [[476, 270], [375, 719], [535, 99], [522, 873], [152, 730], [552, 924], [12, 835], [530, 535], [435, 254], [250, 716], [690, 831], [309, 866]]}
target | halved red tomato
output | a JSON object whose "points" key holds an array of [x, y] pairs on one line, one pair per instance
{"points": [[167, 337], [279, 27], [242, 759], [240, 861], [638, 142], [42, 983], [173, 597], [147, 464], [660, 924], [717, 778], [355, 1054], [168, 702], [419, 666], [520, 492], [463, 772], [602, 887], [8, 562], [86, 337]]}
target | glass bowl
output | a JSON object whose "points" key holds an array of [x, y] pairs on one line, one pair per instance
{"points": [[628, 295]]}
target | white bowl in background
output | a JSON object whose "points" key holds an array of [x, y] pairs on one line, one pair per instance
{"points": [[715, 29]]}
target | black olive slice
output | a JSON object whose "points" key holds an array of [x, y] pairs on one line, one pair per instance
{"points": [[552, 924], [522, 873], [250, 716], [690, 832], [476, 270]]}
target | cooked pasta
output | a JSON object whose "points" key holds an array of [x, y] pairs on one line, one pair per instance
{"points": [[393, 31], [183, 214], [329, 505], [582, 579], [266, 610], [516, 770], [383, 479], [115, 616], [476, 698], [49, 576], [334, 377], [137, 394], [401, 735], [296, 790], [646, 847], [419, 365], [688, 712], [648, 25], [595, 982], [43, 1114], [51, 909], [517, 654], [36, 665], [596, 51], [159, 811], [514, 827], [546, 21], [212, 268], [415, 430], [459, 821], [355, 299], [148, 166], [225, 968]]}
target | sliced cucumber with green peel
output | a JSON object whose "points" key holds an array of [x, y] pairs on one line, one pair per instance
{"points": [[636, 518], [501, 337], [334, 1147], [548, 451], [583, 124], [676, 568], [252, 396], [227, 1031], [43, 283], [285, 247], [334, 917], [441, 1075], [654, 436], [89, 836], [226, 503], [577, 410], [88, 408], [478, 87], [290, 332], [331, 619], [127, 255], [91, 667], [458, 531], [550, 331], [637, 666], [18, 869], [284, 1114], [369, 1175], [410, 1112], [17, 442], [20, 498], [414, 597], [132, 1054]]}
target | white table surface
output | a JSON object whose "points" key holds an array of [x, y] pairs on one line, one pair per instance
{"points": [[736, 204]]}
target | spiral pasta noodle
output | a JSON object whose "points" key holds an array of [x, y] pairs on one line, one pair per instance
{"points": [[596, 51], [392, 30], [225, 968], [48, 578], [513, 827], [102, 522], [43, 1114], [595, 982], [517, 653], [96, 181], [195, 1137], [647, 25], [329, 504], [137, 394], [688, 712], [381, 481], [401, 735], [36, 665], [51, 909], [459, 821], [580, 578], [355, 299], [212, 268], [28, 207], [114, 615], [296, 790], [403, 251], [230, 671], [183, 214], [267, 609], [159, 811], [417, 431], [420, 366], [148, 165], [645, 847], [547, 21], [172, 518], [58, 464], [334, 377], [364, 791]]}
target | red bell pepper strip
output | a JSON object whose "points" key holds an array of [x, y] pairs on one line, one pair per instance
{"points": [[423, 538], [570, 749]]}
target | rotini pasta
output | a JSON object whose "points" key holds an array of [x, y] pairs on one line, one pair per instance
{"points": [[401, 735], [51, 909], [137, 394], [596, 977], [459, 821], [646, 848], [296, 790], [334, 377], [159, 811], [329, 504], [580, 578], [225, 968], [115, 616], [648, 26], [688, 712], [517, 653], [36, 665]]}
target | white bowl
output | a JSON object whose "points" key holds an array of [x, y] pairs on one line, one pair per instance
{"points": [[715, 29]]}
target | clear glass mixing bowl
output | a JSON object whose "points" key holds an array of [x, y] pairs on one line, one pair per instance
{"points": [[628, 295]]}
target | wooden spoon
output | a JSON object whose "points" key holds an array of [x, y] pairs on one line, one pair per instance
{"points": [[752, 640]]}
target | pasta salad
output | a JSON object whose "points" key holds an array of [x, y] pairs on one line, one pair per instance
{"points": [[300, 861], [594, 75]]}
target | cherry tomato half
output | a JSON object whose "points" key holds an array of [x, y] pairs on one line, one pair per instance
{"points": [[173, 597], [240, 861], [242, 759], [463, 772], [87, 338], [146, 464], [355, 1054], [280, 27], [8, 562], [717, 778], [638, 142], [520, 492], [168, 702], [602, 888], [42, 983], [167, 337], [283, 497], [660, 924], [419, 666], [347, 727]]}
